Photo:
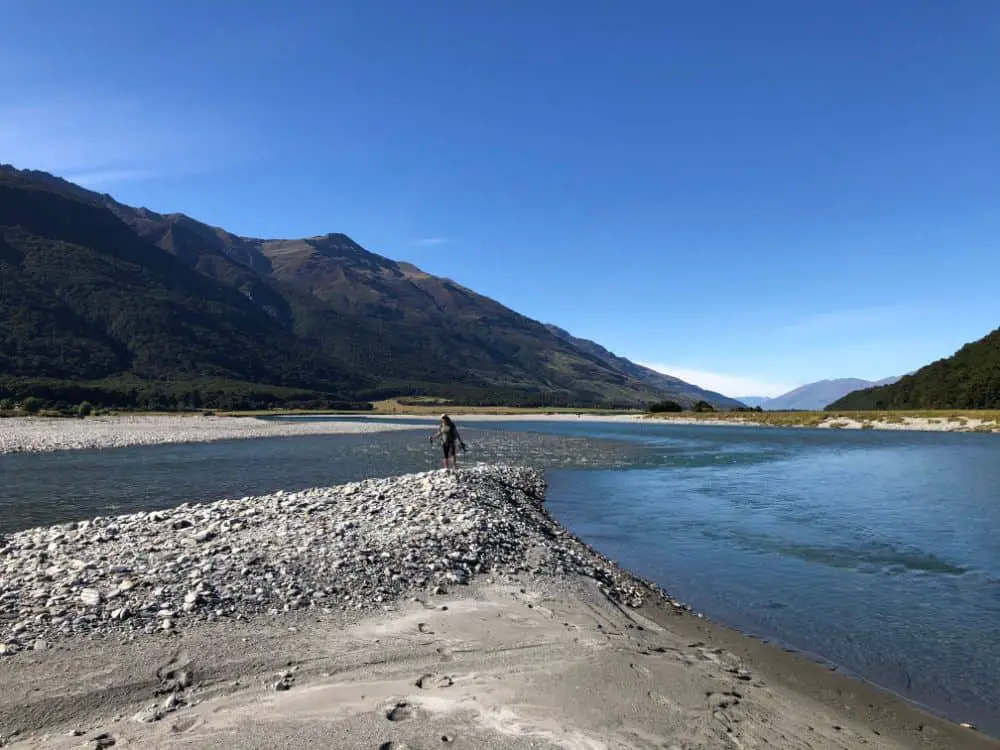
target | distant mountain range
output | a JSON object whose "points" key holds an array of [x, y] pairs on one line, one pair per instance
{"points": [[813, 396], [127, 306], [753, 401], [969, 379]]}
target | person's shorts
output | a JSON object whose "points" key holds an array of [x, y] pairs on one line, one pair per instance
{"points": [[449, 448]]}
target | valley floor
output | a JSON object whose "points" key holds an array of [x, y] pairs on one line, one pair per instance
{"points": [[39, 435], [944, 421]]}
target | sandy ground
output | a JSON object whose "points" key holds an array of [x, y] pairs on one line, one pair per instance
{"points": [[540, 664], [925, 424], [38, 435], [911, 424]]}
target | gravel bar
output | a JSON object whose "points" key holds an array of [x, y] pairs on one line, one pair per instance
{"points": [[44, 435], [358, 546]]}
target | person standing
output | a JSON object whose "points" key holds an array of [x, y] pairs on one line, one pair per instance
{"points": [[448, 434]]}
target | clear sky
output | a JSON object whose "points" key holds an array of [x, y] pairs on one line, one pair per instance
{"points": [[748, 195]]}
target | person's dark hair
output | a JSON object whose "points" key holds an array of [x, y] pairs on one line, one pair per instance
{"points": [[446, 419]]}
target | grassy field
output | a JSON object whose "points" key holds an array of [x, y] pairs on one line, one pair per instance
{"points": [[435, 407], [428, 407]]}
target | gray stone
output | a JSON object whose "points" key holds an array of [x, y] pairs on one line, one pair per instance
{"points": [[359, 547], [148, 715]]}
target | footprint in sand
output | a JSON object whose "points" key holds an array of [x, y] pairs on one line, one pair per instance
{"points": [[424, 628], [430, 681], [723, 700], [664, 701], [400, 712], [184, 725], [175, 674]]}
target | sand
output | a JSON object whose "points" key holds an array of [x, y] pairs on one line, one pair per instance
{"points": [[536, 663]]}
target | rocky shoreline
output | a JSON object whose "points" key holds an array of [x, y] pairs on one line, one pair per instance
{"points": [[46, 435], [358, 546]]}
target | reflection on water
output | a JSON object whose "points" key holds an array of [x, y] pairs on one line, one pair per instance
{"points": [[877, 551]]}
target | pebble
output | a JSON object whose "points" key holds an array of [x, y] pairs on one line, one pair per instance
{"points": [[148, 715], [361, 546], [41, 435]]}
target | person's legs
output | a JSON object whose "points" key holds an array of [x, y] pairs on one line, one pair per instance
{"points": [[444, 464]]}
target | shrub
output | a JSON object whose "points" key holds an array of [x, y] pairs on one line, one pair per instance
{"points": [[664, 406], [31, 405], [85, 409], [703, 406]]}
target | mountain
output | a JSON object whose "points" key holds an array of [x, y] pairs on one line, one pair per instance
{"points": [[753, 401], [969, 379], [816, 396], [83, 299], [685, 393], [124, 302]]}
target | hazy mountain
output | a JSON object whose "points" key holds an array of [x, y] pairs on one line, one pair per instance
{"points": [[94, 290], [969, 379], [753, 401], [816, 396]]}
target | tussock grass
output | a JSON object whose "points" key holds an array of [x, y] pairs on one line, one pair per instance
{"points": [[428, 406]]}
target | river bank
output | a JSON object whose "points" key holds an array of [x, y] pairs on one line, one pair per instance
{"points": [[43, 435], [945, 422], [425, 610]]}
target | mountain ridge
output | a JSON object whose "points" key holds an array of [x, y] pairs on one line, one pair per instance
{"points": [[817, 395], [968, 379], [361, 324], [646, 374]]}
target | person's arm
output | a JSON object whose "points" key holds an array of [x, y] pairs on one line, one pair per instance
{"points": [[458, 437], [436, 435]]}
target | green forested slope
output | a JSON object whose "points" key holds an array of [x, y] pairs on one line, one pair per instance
{"points": [[969, 379]]}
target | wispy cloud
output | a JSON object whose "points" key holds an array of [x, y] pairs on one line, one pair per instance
{"points": [[100, 141], [429, 241], [724, 383]]}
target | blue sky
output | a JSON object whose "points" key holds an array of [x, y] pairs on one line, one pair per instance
{"points": [[748, 195]]}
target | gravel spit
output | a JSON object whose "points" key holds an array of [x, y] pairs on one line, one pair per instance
{"points": [[358, 546], [43, 435]]}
